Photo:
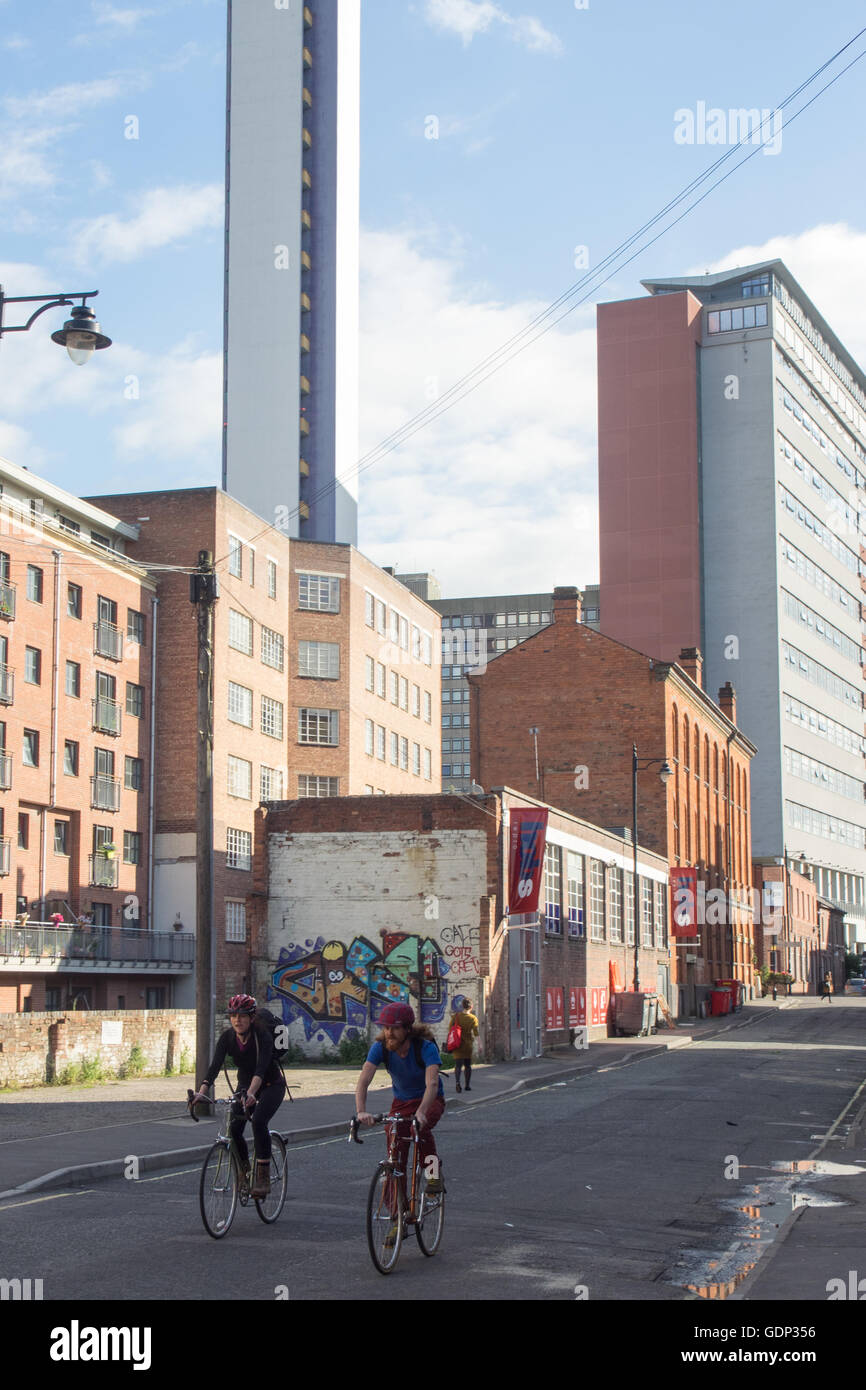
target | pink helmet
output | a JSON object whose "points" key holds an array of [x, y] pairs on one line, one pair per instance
{"points": [[394, 1015], [242, 1004]]}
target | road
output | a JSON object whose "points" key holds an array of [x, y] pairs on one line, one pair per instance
{"points": [[609, 1186]]}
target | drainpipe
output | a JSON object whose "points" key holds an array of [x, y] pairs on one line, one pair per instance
{"points": [[52, 782], [730, 863], [153, 620]]}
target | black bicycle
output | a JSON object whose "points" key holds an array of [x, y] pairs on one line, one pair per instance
{"points": [[224, 1183], [391, 1209]]}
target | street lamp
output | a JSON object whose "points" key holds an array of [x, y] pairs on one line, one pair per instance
{"points": [[81, 335], [666, 772]]}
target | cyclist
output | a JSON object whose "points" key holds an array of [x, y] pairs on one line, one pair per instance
{"points": [[410, 1053], [251, 1046]]}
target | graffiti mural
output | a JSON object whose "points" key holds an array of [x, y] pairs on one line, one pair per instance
{"points": [[332, 987], [462, 947]]}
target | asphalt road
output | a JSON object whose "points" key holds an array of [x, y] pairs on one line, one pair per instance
{"points": [[609, 1186]]}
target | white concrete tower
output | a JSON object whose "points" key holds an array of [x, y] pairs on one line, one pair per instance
{"points": [[290, 385]]}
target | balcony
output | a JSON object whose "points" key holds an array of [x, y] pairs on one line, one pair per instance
{"points": [[306, 262], [75, 948], [308, 17], [305, 428], [5, 855], [306, 97], [104, 872], [305, 343], [306, 221], [7, 600], [5, 772], [105, 793], [307, 139], [106, 716], [306, 178], [305, 386], [7, 685], [303, 468], [308, 58], [108, 641], [306, 303]]}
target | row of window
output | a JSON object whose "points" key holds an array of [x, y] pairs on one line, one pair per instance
{"points": [[455, 721], [829, 729], [834, 499], [456, 770], [378, 741], [843, 832], [379, 681], [455, 745], [240, 710], [826, 445], [240, 780], [808, 618], [818, 578], [102, 835], [821, 676], [376, 616], [236, 565], [455, 697], [735, 320], [814, 337], [272, 644], [581, 892], [107, 612], [822, 775], [823, 534]]}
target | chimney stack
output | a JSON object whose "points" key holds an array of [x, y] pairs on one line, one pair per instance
{"points": [[692, 662], [728, 701], [566, 605]]}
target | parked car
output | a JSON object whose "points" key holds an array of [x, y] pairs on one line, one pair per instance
{"points": [[856, 985]]}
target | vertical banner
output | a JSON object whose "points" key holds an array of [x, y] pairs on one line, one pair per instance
{"points": [[555, 1009], [573, 1009], [684, 891], [527, 832]]}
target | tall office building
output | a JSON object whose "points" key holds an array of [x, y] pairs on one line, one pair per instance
{"points": [[290, 386], [732, 497]]}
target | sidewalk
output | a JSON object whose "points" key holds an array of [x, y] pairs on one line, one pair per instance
{"points": [[63, 1137]]}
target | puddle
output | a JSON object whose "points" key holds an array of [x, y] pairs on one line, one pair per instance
{"points": [[817, 1168]]}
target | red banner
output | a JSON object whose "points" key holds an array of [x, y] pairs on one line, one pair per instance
{"points": [[527, 833], [684, 893], [576, 1006], [555, 1010]]}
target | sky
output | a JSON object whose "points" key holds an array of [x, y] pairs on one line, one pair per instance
{"points": [[506, 151]]}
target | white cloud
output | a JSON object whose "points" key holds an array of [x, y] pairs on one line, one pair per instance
{"points": [[16, 43], [467, 18], [159, 217], [121, 20], [828, 261], [70, 99], [24, 162], [499, 494]]}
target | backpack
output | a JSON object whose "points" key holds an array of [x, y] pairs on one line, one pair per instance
{"points": [[276, 1029], [454, 1039]]}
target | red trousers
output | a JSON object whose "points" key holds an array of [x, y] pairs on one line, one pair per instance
{"points": [[427, 1143]]}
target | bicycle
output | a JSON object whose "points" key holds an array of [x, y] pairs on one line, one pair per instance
{"points": [[389, 1210], [223, 1184]]}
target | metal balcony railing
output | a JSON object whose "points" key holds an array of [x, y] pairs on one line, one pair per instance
{"points": [[7, 600], [7, 685], [104, 872], [106, 715], [95, 946], [108, 640], [5, 855], [5, 772], [105, 793]]}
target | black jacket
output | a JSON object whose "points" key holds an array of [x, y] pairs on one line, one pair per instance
{"points": [[251, 1060]]}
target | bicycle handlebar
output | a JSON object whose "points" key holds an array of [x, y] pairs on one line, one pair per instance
{"points": [[378, 1120], [216, 1100]]}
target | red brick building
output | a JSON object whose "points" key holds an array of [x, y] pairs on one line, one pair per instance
{"points": [[76, 757], [800, 934], [557, 717]]}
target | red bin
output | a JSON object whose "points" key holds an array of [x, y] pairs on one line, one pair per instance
{"points": [[721, 1001]]}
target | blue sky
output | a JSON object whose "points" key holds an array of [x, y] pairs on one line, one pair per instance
{"points": [[555, 131]]}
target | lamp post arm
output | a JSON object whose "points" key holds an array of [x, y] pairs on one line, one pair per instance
{"points": [[57, 301]]}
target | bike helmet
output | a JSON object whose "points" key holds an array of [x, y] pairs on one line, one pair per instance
{"points": [[396, 1015], [242, 1004]]}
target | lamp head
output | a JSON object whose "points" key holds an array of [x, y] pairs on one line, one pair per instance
{"points": [[81, 335]]}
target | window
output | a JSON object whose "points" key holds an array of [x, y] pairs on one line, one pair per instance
{"points": [[34, 584], [252, 555], [428, 765], [404, 693], [66, 523], [416, 701], [270, 784], [236, 921], [395, 688], [446, 721], [73, 678], [395, 750], [369, 674], [239, 849], [320, 660], [30, 755], [369, 610], [381, 618], [552, 889], [576, 891], [319, 593], [240, 705], [135, 700], [369, 737], [380, 743], [70, 758], [395, 627], [272, 579], [416, 759], [320, 726], [273, 649], [23, 830], [426, 649], [615, 901], [73, 600], [133, 774], [404, 754], [135, 626], [428, 707], [131, 847], [416, 642], [240, 632], [318, 786], [272, 717], [646, 912], [380, 680], [596, 900], [404, 634], [661, 916], [236, 551], [32, 665], [499, 620], [240, 778]]}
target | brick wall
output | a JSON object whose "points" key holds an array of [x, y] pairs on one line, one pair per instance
{"points": [[34, 1047]]}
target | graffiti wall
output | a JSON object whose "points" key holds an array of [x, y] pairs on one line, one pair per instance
{"points": [[359, 924]]}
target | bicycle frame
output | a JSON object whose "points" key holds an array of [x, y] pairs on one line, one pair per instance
{"points": [[413, 1156]]}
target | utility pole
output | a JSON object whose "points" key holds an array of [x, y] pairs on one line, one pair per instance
{"points": [[204, 592]]}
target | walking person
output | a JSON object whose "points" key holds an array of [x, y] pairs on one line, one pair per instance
{"points": [[827, 989], [465, 1020]]}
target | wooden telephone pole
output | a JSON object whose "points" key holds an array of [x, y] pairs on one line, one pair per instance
{"points": [[204, 592]]}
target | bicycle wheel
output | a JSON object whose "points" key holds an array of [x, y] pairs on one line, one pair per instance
{"points": [[218, 1190], [270, 1207], [431, 1220], [385, 1225]]}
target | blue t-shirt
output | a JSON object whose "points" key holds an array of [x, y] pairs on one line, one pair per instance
{"points": [[407, 1077]]}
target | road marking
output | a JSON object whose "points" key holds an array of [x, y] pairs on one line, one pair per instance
{"points": [[54, 1197]]}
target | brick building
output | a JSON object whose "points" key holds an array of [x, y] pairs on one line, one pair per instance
{"points": [[324, 685], [77, 627], [589, 699], [800, 934], [358, 902]]}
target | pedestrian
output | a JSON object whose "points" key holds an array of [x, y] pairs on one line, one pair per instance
{"points": [[465, 1020], [827, 989]]}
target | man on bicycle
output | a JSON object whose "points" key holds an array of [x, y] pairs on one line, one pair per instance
{"points": [[259, 1073], [410, 1053]]}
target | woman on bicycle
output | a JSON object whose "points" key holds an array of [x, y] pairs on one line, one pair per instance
{"points": [[251, 1047]]}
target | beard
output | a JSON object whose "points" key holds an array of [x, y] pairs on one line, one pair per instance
{"points": [[392, 1044]]}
